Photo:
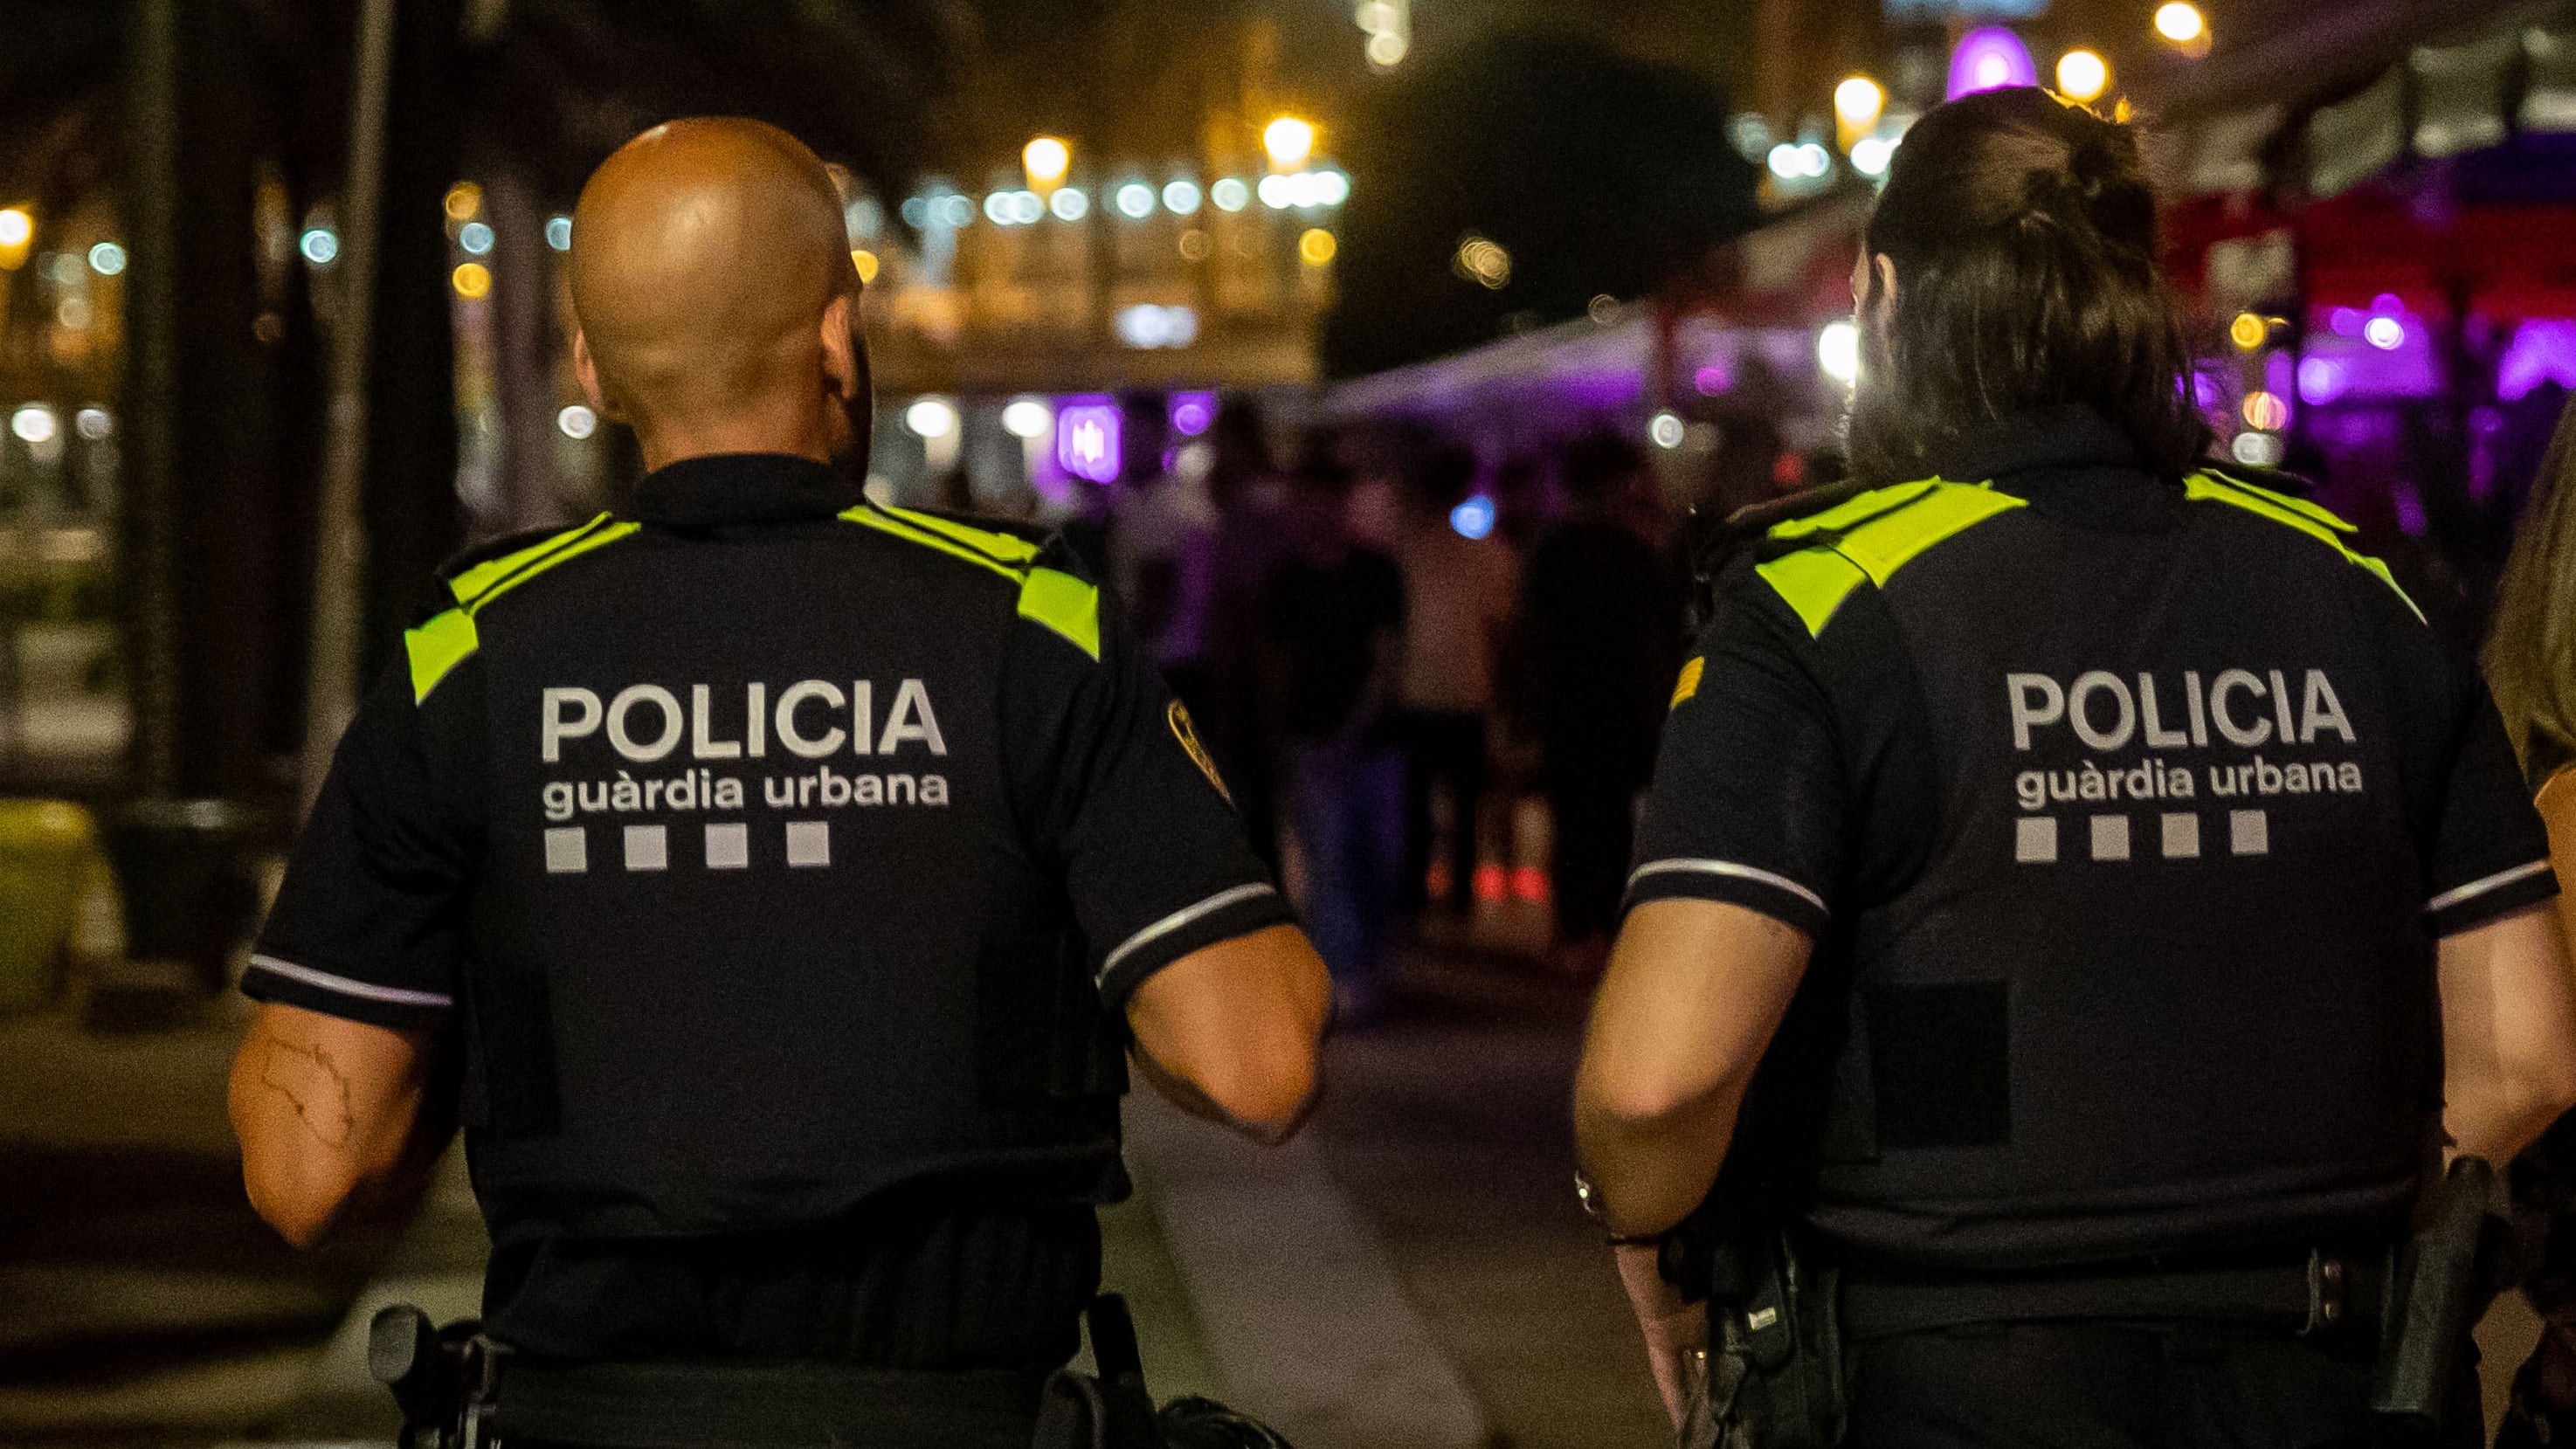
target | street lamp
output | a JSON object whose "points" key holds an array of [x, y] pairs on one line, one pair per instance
{"points": [[1046, 159], [1289, 141]]}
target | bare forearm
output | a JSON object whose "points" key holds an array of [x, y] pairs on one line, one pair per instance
{"points": [[330, 1122]]}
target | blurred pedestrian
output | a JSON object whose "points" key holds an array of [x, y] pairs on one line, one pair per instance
{"points": [[2531, 667], [1600, 631], [1333, 624], [1232, 562], [1458, 603], [1155, 524]]}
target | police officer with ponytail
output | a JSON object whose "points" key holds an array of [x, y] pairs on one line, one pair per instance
{"points": [[775, 884], [2080, 901]]}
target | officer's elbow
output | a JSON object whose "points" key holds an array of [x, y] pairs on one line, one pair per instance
{"points": [[1266, 1098]]}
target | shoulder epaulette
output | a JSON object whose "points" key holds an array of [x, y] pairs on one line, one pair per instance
{"points": [[483, 573]]}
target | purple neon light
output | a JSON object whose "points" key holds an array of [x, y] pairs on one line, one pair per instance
{"points": [[1086, 440], [2322, 380], [2541, 351], [1990, 58], [1192, 412], [1710, 380]]}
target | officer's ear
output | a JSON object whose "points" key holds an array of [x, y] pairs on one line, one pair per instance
{"points": [[1874, 291], [586, 372], [845, 364]]}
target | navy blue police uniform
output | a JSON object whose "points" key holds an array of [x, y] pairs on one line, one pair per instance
{"points": [[2125, 813], [782, 865]]}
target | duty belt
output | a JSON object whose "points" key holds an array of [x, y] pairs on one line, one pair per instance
{"points": [[781, 1406], [2325, 1292]]}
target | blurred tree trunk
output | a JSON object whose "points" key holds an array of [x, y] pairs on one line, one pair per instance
{"points": [[207, 531], [523, 348], [413, 520]]}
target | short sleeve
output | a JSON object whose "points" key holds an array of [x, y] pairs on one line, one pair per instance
{"points": [[2489, 854], [369, 921], [1749, 799], [1123, 796]]}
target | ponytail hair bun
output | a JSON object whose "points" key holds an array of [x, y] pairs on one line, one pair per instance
{"points": [[2023, 233]]}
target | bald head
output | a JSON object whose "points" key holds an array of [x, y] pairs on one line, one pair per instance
{"points": [[711, 276]]}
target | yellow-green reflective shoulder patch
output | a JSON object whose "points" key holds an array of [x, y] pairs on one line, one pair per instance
{"points": [[1008, 548], [2296, 513], [474, 582], [1854, 509], [1815, 580], [1064, 604], [437, 647], [868, 515]]}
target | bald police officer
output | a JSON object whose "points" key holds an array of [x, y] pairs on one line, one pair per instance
{"points": [[784, 876]]}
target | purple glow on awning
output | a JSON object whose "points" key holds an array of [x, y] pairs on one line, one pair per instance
{"points": [[1990, 58], [1086, 439], [2541, 351]]}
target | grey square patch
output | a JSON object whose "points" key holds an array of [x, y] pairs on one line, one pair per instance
{"points": [[648, 847], [809, 842], [2110, 837], [2249, 832], [728, 846], [567, 850], [2035, 839], [2182, 837]]}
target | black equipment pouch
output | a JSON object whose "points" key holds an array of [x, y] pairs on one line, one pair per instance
{"points": [[1775, 1352], [1112, 1410], [2439, 1292]]}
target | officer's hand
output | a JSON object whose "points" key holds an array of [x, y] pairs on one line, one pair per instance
{"points": [[1229, 1032], [1676, 1330]]}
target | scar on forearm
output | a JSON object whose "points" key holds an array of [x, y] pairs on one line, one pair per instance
{"points": [[310, 1083]]}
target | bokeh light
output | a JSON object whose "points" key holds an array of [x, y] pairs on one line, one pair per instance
{"points": [[1990, 58], [1838, 352], [1317, 246], [2385, 333], [1230, 194], [2248, 331], [320, 245], [866, 262], [464, 201], [1135, 201], [1666, 430], [2082, 75], [577, 422], [475, 238], [1473, 518], [1181, 198], [1069, 203], [559, 233], [1289, 141], [1047, 159], [1028, 417], [107, 259], [472, 280], [2181, 22], [17, 228], [35, 423], [931, 417], [1858, 101]]}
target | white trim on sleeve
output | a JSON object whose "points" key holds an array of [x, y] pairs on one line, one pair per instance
{"points": [[1176, 920], [346, 987], [1730, 868], [2479, 887]]}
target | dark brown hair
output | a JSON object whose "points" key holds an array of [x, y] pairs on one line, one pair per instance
{"points": [[2531, 646], [2023, 231]]}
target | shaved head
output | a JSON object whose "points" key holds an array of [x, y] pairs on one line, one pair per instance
{"points": [[712, 279]]}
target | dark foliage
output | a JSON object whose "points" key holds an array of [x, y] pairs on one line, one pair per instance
{"points": [[1598, 174]]}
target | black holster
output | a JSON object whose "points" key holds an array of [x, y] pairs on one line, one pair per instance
{"points": [[2440, 1291], [1775, 1352]]}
